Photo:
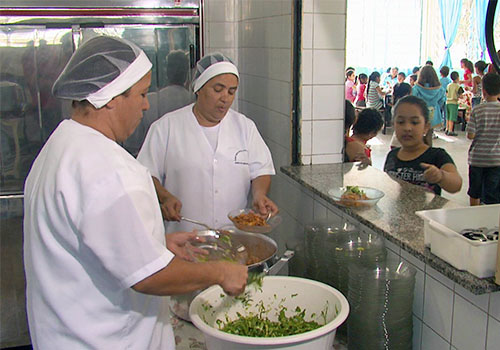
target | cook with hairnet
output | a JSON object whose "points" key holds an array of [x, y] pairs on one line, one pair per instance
{"points": [[97, 259], [205, 158]]}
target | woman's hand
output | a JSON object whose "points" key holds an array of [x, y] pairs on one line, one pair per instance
{"points": [[177, 241], [263, 205], [170, 208]]}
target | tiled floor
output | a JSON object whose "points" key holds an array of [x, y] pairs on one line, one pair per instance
{"points": [[457, 147]]}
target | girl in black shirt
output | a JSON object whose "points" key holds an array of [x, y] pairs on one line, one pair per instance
{"points": [[414, 161]]}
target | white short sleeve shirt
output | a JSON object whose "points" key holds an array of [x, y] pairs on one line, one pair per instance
{"points": [[93, 229]]}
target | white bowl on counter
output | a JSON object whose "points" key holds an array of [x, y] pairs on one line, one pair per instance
{"points": [[310, 295]]}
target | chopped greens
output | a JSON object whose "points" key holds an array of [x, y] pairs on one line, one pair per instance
{"points": [[354, 190], [259, 325]]}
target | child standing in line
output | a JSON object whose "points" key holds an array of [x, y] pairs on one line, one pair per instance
{"points": [[350, 85], [366, 127], [415, 161], [445, 80], [452, 96], [483, 129], [360, 94], [477, 88]]}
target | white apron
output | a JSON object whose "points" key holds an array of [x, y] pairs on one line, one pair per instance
{"points": [[209, 184]]}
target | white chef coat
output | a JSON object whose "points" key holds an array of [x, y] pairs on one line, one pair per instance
{"points": [[92, 229], [209, 184]]}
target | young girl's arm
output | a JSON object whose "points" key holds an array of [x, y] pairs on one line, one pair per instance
{"points": [[447, 176], [380, 92], [356, 153], [475, 82]]}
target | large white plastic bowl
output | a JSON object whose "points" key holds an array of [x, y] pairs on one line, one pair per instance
{"points": [[307, 294]]}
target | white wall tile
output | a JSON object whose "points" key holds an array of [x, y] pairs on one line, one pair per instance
{"points": [[419, 264], [325, 136], [307, 31], [440, 277], [432, 341], [306, 138], [493, 340], [418, 293], [417, 333], [328, 31], [306, 160], [320, 211], [271, 7], [392, 246], [306, 100], [326, 158], [307, 6], [287, 7], [328, 103], [220, 10], [330, 6], [469, 325], [328, 66], [222, 34], [438, 308], [494, 309], [307, 67], [481, 301]]}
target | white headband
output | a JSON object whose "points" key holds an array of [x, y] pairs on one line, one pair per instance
{"points": [[214, 70], [127, 79]]}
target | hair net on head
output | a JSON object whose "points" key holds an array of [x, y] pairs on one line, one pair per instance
{"points": [[210, 66], [100, 69]]}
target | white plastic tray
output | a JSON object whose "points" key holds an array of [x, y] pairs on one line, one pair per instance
{"points": [[441, 233]]}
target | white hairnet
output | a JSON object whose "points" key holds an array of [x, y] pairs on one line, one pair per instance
{"points": [[102, 68], [210, 66]]}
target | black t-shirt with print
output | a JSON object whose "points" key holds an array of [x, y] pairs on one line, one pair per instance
{"points": [[411, 171]]}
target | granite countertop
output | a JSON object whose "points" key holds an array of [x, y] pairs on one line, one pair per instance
{"points": [[393, 216]]}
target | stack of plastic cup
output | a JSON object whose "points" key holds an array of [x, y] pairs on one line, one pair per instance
{"points": [[381, 298], [351, 248], [320, 238]]}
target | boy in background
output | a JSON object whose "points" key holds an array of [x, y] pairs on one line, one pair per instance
{"points": [[453, 92], [445, 80], [484, 153]]}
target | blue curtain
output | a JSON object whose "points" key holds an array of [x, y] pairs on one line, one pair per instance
{"points": [[450, 18], [481, 6]]}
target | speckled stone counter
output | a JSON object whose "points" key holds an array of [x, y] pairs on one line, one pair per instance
{"points": [[393, 216]]}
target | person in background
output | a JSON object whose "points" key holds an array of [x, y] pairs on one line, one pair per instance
{"points": [[349, 120], [468, 68], [415, 161], [453, 93], [384, 76], [175, 95], [430, 90], [477, 87], [445, 80], [360, 93], [483, 129], [96, 257], [366, 127], [400, 89], [491, 67], [350, 85], [205, 158], [414, 71], [413, 79], [391, 79], [374, 93], [429, 63]]}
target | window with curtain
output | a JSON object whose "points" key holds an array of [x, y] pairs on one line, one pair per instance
{"points": [[385, 33], [379, 34]]}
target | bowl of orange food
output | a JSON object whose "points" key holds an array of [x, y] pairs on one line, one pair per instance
{"points": [[356, 196], [249, 220]]}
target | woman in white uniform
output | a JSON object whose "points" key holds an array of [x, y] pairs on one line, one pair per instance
{"points": [[96, 256], [205, 158]]}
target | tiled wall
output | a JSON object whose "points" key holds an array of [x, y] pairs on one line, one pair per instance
{"points": [[322, 72]]}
